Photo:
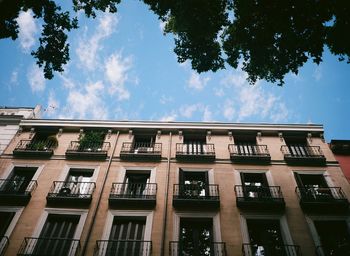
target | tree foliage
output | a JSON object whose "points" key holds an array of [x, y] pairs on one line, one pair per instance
{"points": [[269, 38]]}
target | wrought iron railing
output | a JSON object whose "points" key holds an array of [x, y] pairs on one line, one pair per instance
{"points": [[271, 249], [49, 247], [248, 150], [36, 145], [301, 151], [196, 191], [134, 190], [141, 148], [99, 147], [123, 248], [258, 193], [312, 194], [177, 248], [83, 190], [340, 249], [4, 242], [195, 149], [17, 186]]}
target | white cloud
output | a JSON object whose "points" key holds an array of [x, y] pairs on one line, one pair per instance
{"points": [[36, 78], [27, 30], [87, 103], [207, 115], [197, 82], [169, 118], [88, 48], [188, 110], [162, 25], [67, 82], [53, 105], [14, 77], [116, 72], [228, 110], [317, 75], [219, 92], [165, 99]]}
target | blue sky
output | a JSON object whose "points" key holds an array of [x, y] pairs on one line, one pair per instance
{"points": [[122, 67]]}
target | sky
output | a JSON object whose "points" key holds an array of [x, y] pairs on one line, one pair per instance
{"points": [[123, 67]]}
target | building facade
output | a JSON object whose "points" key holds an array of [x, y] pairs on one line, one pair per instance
{"points": [[341, 151], [9, 122], [72, 187]]}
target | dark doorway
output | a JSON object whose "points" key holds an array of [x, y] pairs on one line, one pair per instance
{"points": [[194, 184]]}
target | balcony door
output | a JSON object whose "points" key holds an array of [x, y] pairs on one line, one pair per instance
{"points": [[126, 237], [265, 237], [5, 220], [136, 184], [193, 184], [313, 186], [194, 145], [56, 235], [196, 237], [143, 143], [77, 181], [18, 181], [246, 146], [334, 237], [297, 146], [255, 185]]}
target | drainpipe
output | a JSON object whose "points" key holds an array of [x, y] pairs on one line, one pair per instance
{"points": [[166, 199], [99, 198]]}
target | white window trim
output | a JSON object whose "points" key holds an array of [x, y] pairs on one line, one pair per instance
{"points": [[11, 167], [47, 211], [185, 169], [214, 215], [286, 236], [238, 172], [310, 221], [325, 174], [150, 170], [95, 168], [18, 211]]}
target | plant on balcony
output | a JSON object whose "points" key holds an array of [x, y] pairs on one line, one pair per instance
{"points": [[91, 141]]}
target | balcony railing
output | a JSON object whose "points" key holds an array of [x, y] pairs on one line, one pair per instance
{"points": [[141, 151], [123, 248], [88, 151], [4, 242], [257, 196], [16, 191], [193, 195], [330, 198], [195, 152], [32, 148], [246, 153], [71, 192], [338, 250], [271, 250], [136, 194], [177, 248], [49, 247], [303, 155]]}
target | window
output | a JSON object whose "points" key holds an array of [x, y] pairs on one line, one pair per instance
{"points": [[194, 144], [136, 183], [313, 186], [5, 220], [297, 146], [255, 185], [193, 183], [143, 143], [18, 181], [334, 237], [246, 145], [8, 219]]}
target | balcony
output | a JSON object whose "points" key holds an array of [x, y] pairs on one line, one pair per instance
{"points": [[303, 155], [16, 192], [195, 152], [212, 248], [271, 249], [123, 248], [262, 198], [4, 242], [39, 149], [93, 151], [249, 154], [49, 247], [142, 151], [339, 250], [141, 195], [322, 199], [195, 195], [70, 193]]}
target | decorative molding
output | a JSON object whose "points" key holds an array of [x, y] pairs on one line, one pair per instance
{"points": [[180, 135], [259, 136], [230, 136], [60, 131], [280, 135], [209, 135], [159, 133], [31, 134], [109, 133]]}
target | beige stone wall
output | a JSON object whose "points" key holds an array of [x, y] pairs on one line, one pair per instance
{"points": [[224, 176]]}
